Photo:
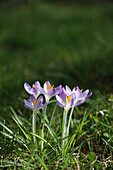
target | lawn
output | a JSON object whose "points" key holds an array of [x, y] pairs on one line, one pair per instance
{"points": [[68, 44]]}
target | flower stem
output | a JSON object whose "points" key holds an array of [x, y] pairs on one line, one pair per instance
{"points": [[34, 128], [42, 142], [64, 129], [69, 121]]}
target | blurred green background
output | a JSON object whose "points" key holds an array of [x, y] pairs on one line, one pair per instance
{"points": [[65, 42]]}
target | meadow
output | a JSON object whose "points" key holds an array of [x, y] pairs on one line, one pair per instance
{"points": [[68, 44]]}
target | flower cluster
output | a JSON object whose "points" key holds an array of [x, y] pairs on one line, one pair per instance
{"points": [[65, 97]]}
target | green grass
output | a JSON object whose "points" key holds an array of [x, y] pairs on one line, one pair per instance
{"points": [[90, 141], [65, 44]]}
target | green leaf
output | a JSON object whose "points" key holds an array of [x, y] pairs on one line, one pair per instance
{"points": [[68, 146], [6, 134], [92, 157], [106, 135], [26, 135], [19, 139], [53, 114], [97, 165], [49, 128], [39, 137], [42, 162], [5, 127], [17, 118]]}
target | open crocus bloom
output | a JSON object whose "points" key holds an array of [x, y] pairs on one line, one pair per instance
{"points": [[77, 93], [49, 91], [33, 90], [69, 91], [68, 98], [80, 97], [64, 100], [35, 104]]}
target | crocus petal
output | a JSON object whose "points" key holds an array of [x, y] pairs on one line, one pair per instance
{"points": [[63, 95], [47, 82], [88, 95], [73, 95], [46, 86], [84, 94], [37, 84], [60, 100], [44, 105], [76, 88], [80, 102], [51, 92], [28, 107], [68, 90], [69, 104], [38, 105], [28, 104], [33, 91], [32, 97], [41, 90], [41, 98], [58, 89], [27, 88], [61, 105], [78, 93]]}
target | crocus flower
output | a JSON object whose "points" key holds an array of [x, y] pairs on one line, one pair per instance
{"points": [[35, 104], [64, 100], [79, 96], [68, 98], [49, 91], [77, 93], [32, 90]]}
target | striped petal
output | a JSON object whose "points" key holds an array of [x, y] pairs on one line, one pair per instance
{"points": [[60, 100], [61, 105], [79, 103], [28, 104], [27, 88]]}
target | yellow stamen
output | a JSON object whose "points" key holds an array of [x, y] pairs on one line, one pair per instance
{"points": [[51, 87], [48, 87], [81, 90], [35, 102], [74, 89], [35, 87], [68, 98]]}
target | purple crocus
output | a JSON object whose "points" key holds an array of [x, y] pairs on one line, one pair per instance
{"points": [[68, 98], [33, 90], [65, 100], [49, 91], [34, 103], [77, 93], [80, 96]]}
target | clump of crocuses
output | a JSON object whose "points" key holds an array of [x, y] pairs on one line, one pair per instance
{"points": [[65, 97]]}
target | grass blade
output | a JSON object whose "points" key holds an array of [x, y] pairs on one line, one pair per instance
{"points": [[39, 137], [42, 162], [25, 134], [17, 118]]}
